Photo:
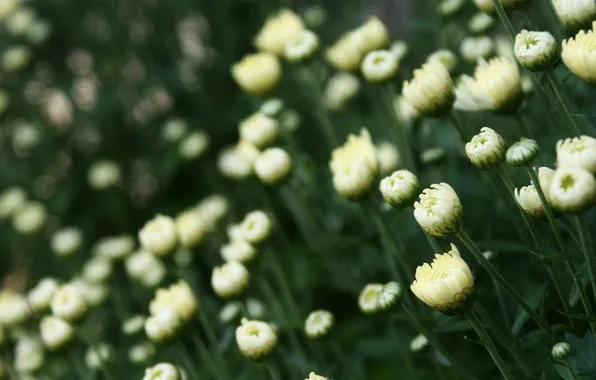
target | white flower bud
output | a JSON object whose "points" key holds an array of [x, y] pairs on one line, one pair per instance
{"points": [[173, 130], [474, 48], [8, 7], [68, 303], [448, 8], [522, 153], [487, 149], [18, 22], [379, 66], [190, 228], [577, 152], [15, 58], [346, 53], [41, 295], [399, 49], [93, 293], [194, 145], [12, 200], [302, 46], [230, 311], [133, 324], [255, 339], [97, 269], [230, 279], [405, 111], [372, 35], [256, 227], [104, 174], [439, 210], [400, 188], [29, 218], [259, 130], [14, 309], [536, 51], [257, 73], [66, 241], [162, 371], [238, 250], [145, 268], [340, 89], [158, 235], [318, 324], [29, 354], [575, 14], [273, 165], [163, 325], [233, 165], [418, 343], [378, 297], [178, 296], [561, 351], [578, 55], [480, 23], [444, 57], [431, 90], [55, 332], [96, 356], [572, 190], [278, 30], [529, 200], [387, 156], [255, 308], [141, 352], [114, 247]]}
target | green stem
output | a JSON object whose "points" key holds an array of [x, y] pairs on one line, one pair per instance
{"points": [[502, 304], [505, 19], [572, 371], [526, 128], [272, 371], [86, 332], [342, 360], [463, 134], [586, 242], [488, 343], [434, 244], [188, 361], [405, 153], [457, 367], [563, 102], [505, 285], [218, 371]]}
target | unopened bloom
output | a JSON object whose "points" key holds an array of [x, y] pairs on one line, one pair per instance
{"points": [[12, 200], [445, 57], [346, 53], [255, 308], [178, 296], [572, 190], [255, 339], [14, 309], [257, 73], [15, 58], [536, 51], [114, 247], [487, 149], [238, 250], [230, 311], [66, 241], [29, 354], [480, 22], [405, 111], [190, 228], [133, 324], [379, 66], [354, 166], [400, 188], [340, 88], [94, 294], [141, 352], [318, 323], [561, 351], [522, 152], [418, 343], [314, 376], [97, 269], [233, 165], [528, 199], [577, 152], [163, 325], [68, 303], [97, 355], [173, 130], [301, 46], [259, 130], [578, 54], [145, 268], [431, 90], [103, 174], [55, 332], [29, 218], [278, 30], [41, 295], [450, 7], [255, 227], [230, 279], [213, 208], [158, 235], [399, 49], [162, 371], [378, 297], [475, 48], [439, 210], [574, 14], [373, 35], [496, 86], [387, 156], [8, 7], [273, 165], [447, 284], [194, 145]]}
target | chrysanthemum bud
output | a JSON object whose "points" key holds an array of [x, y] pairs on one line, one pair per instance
{"points": [[378, 297], [178, 296], [273, 165], [190, 228], [578, 54], [12, 200], [145, 268], [173, 130], [536, 51], [561, 351], [255, 339], [194, 145], [318, 323], [399, 49], [379, 66], [68, 303], [98, 355], [238, 250], [387, 157], [302, 46], [114, 247], [314, 376], [346, 53], [340, 88], [230, 279], [257, 73], [480, 23], [447, 284], [103, 174], [66, 241], [15, 58], [575, 14], [141, 352], [445, 57], [29, 218], [496, 86], [448, 8], [133, 325], [529, 200], [431, 90], [233, 165], [373, 35], [259, 130], [522, 153], [419, 343], [405, 111], [162, 371], [230, 311], [579, 152], [354, 166], [41, 295], [272, 107], [158, 235], [255, 308], [97, 269], [487, 149], [55, 332], [163, 325], [474, 48], [400, 188], [14, 309], [572, 190], [278, 30], [255, 227], [29, 354], [439, 210]]}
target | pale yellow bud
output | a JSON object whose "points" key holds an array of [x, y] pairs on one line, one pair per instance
{"points": [[66, 241], [318, 324], [194, 145], [572, 190], [439, 211], [340, 89], [256, 227], [41, 295], [114, 247], [346, 53], [162, 371], [373, 35], [314, 376], [302, 46], [579, 56], [178, 296], [486, 150], [30, 218], [238, 250], [68, 303], [163, 325], [279, 29], [14, 309], [97, 269], [577, 152], [419, 343], [257, 73], [431, 90], [190, 228], [536, 51], [255, 339], [259, 130], [12, 200], [529, 200], [575, 14], [103, 174], [273, 165], [158, 235], [400, 188], [55, 332], [480, 23], [474, 48], [379, 66], [230, 279], [387, 157], [445, 57]]}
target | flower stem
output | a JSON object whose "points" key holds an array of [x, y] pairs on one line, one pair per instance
{"points": [[505, 19], [342, 360], [188, 360], [405, 153], [463, 134], [506, 286], [273, 372], [586, 244], [526, 128], [488, 343], [563, 102], [86, 332]]}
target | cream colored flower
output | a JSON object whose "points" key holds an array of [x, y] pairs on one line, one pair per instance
{"points": [[257, 73], [66, 241], [431, 90], [158, 235], [230, 311], [41, 295], [173, 130], [194, 145], [536, 51], [496, 86], [230, 279], [577, 152], [259, 130], [12, 200], [561, 351], [256, 227], [97, 269], [480, 23], [273, 165], [29, 354], [439, 210], [445, 57], [318, 323], [19, 21], [474, 48], [572, 190], [99, 354], [487, 149], [68, 303], [255, 308], [15, 58], [7, 7], [399, 49], [94, 294], [314, 376], [400, 188], [279, 29], [522, 152], [163, 325], [405, 111], [340, 89], [145, 268], [302, 46], [238, 250], [178, 296], [30, 218], [162, 371], [233, 165], [373, 35], [418, 343], [387, 157], [255, 339], [447, 284], [379, 66], [346, 53], [103, 174], [55, 332], [378, 297], [190, 228], [133, 325], [354, 166], [574, 14], [579, 56], [114, 247], [14, 309], [529, 200], [448, 8], [140, 353], [212, 209]]}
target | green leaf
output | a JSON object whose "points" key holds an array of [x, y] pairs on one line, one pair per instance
{"points": [[583, 354], [533, 301]]}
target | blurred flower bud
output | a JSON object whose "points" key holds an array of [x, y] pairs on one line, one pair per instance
{"points": [[12, 200], [14, 309], [163, 325], [41, 295], [400, 188], [340, 89], [318, 324], [98, 269], [194, 145], [474, 48], [257, 73], [259, 130], [255, 339], [55, 332], [30, 218], [419, 343], [238, 250], [162, 371], [431, 90], [279, 29], [68, 303], [302, 46], [230, 279], [574, 14], [158, 235], [273, 165], [480, 23], [445, 57], [103, 174], [379, 66]]}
